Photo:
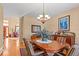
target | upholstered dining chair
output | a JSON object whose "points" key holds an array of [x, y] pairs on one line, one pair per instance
{"points": [[31, 50]]}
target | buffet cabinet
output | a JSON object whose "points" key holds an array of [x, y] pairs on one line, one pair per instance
{"points": [[70, 39]]}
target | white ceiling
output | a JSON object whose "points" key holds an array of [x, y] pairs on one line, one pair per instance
{"points": [[35, 9]]}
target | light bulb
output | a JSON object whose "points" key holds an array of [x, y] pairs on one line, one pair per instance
{"points": [[46, 16], [40, 15]]}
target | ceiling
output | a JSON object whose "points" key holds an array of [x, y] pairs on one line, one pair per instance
{"points": [[35, 9]]}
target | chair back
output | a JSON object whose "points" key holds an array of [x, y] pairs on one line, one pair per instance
{"points": [[72, 39], [66, 51], [70, 51], [61, 40], [76, 51], [29, 46]]}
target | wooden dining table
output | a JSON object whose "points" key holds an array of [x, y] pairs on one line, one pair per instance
{"points": [[52, 47]]}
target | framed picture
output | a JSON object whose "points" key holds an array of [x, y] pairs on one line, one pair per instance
{"points": [[64, 23], [35, 28]]}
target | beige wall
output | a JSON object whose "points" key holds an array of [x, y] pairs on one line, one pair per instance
{"points": [[52, 25], [12, 21], [27, 22], [1, 28]]}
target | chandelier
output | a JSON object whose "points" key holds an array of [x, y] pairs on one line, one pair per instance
{"points": [[44, 17]]}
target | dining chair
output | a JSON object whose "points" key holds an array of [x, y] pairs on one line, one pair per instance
{"points": [[61, 40], [58, 39], [65, 52], [76, 51], [31, 50]]}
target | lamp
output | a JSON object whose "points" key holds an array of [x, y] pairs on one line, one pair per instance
{"points": [[43, 18]]}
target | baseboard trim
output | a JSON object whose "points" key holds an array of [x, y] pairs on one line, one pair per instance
{"points": [[1, 50]]}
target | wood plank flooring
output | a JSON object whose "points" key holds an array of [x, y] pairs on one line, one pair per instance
{"points": [[12, 46]]}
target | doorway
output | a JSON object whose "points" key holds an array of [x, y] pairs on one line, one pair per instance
{"points": [[5, 31]]}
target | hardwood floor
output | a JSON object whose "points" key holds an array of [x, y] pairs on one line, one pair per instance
{"points": [[12, 46]]}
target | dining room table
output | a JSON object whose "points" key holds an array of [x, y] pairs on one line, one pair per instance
{"points": [[50, 47]]}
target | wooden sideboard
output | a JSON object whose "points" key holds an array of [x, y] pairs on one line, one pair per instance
{"points": [[70, 39]]}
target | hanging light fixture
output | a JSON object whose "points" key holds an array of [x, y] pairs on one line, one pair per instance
{"points": [[43, 18]]}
